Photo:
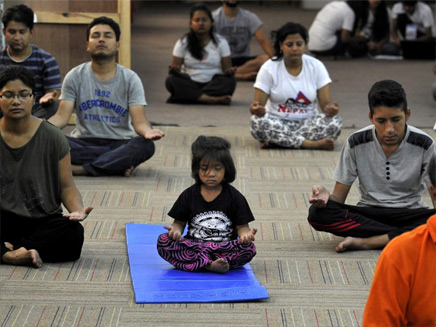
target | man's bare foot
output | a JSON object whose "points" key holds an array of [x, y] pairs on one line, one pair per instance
{"points": [[23, 257], [79, 170], [224, 99], [129, 171], [323, 144], [358, 243], [219, 265]]}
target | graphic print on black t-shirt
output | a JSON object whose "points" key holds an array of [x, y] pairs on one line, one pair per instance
{"points": [[211, 226]]}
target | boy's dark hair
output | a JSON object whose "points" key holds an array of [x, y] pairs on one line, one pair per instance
{"points": [[15, 72], [212, 148], [387, 93], [103, 20], [194, 45], [288, 29], [20, 14]]}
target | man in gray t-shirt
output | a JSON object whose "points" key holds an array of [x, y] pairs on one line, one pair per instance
{"points": [[238, 26], [394, 163], [109, 103]]}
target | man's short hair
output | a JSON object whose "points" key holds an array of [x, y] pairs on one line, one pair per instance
{"points": [[20, 14], [387, 93], [103, 20]]}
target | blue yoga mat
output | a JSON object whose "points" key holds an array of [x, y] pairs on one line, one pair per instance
{"points": [[156, 281]]}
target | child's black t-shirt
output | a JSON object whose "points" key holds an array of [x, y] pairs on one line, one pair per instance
{"points": [[212, 221]]}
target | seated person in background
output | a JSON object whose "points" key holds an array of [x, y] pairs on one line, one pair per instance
{"points": [[416, 13], [335, 25], [18, 29], [238, 26], [288, 89], [35, 180], [374, 36], [109, 101], [199, 60], [219, 237], [393, 162], [434, 84], [404, 284]]}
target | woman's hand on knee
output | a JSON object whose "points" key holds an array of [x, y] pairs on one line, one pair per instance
{"points": [[257, 109]]}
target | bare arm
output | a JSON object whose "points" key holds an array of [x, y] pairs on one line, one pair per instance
{"points": [[327, 106], [264, 42], [176, 65], [63, 115], [246, 234], [258, 105], [175, 231], [142, 126], [70, 195], [432, 192], [226, 66], [395, 34], [345, 36]]}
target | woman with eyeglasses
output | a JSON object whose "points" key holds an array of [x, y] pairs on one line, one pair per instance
{"points": [[35, 179]]}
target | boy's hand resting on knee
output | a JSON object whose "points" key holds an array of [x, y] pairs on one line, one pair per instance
{"points": [[319, 196]]}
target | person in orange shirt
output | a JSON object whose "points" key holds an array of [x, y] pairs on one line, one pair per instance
{"points": [[403, 291]]}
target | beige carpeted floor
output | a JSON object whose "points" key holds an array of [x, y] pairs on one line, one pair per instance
{"points": [[308, 283]]}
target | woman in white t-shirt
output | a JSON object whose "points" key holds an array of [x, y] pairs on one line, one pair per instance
{"points": [[201, 69], [288, 89]]}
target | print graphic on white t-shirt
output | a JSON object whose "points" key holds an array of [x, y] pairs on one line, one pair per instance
{"points": [[298, 108], [211, 226]]}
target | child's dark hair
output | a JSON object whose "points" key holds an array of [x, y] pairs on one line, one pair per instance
{"points": [[212, 148], [15, 72], [387, 93], [20, 14], [103, 20], [194, 46], [288, 29]]}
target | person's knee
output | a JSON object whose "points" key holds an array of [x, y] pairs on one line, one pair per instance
{"points": [[315, 214], [77, 238], [141, 148]]}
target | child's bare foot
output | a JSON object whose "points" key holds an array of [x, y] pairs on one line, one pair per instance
{"points": [[323, 144], [22, 257], [129, 171], [79, 170], [219, 265]]}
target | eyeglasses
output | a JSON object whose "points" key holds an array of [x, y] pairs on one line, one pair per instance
{"points": [[21, 96]]}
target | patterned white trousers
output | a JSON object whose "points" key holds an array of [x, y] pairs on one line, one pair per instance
{"points": [[292, 133]]}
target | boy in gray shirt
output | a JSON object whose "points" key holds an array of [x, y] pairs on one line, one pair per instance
{"points": [[238, 26], [394, 163], [109, 101]]}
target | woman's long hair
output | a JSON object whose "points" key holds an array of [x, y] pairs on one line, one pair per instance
{"points": [[194, 45], [380, 27], [361, 11]]}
